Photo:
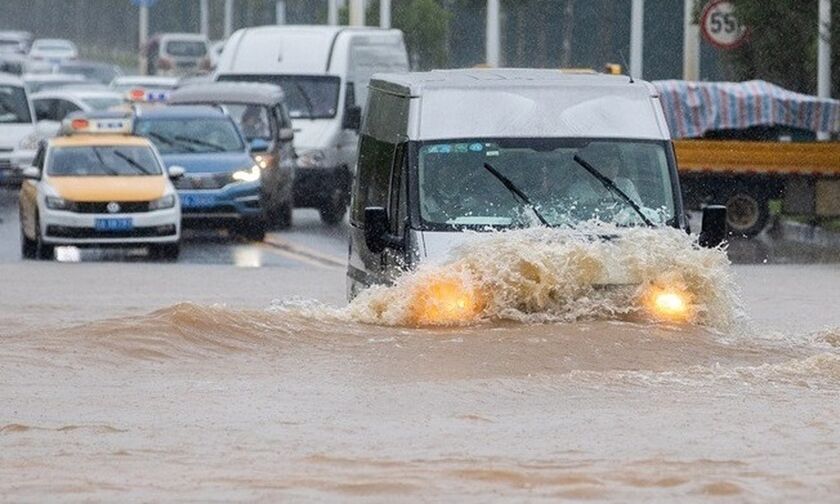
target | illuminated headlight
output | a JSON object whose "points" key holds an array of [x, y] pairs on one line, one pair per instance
{"points": [[670, 304], [264, 160], [251, 174], [311, 159], [167, 201], [56, 203]]}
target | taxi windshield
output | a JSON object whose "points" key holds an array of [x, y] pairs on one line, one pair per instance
{"points": [[456, 188], [98, 161], [192, 135]]}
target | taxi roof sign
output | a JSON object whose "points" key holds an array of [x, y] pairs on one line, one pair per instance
{"points": [[147, 95], [81, 125]]}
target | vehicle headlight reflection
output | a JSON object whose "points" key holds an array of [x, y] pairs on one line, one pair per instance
{"points": [[251, 174]]}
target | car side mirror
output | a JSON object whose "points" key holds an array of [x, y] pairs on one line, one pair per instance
{"points": [[31, 173], [352, 118], [176, 172], [713, 230], [286, 134], [259, 144]]}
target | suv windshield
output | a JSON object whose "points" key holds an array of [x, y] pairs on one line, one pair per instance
{"points": [[455, 188], [200, 135], [102, 161], [186, 48], [13, 105], [307, 96]]}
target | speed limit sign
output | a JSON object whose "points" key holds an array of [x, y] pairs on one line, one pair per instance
{"points": [[720, 27]]}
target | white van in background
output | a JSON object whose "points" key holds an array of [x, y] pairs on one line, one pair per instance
{"points": [[324, 72]]}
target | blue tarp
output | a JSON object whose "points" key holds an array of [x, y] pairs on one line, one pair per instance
{"points": [[693, 108]]}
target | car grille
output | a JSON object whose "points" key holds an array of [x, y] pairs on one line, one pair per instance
{"points": [[101, 208], [209, 181], [88, 232]]}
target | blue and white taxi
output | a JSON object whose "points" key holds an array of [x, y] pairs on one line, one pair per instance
{"points": [[99, 185]]}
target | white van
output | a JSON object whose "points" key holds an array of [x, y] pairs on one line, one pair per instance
{"points": [[17, 123], [449, 151], [324, 72]]}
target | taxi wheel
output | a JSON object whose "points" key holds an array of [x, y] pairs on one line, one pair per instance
{"points": [[28, 247], [43, 251]]}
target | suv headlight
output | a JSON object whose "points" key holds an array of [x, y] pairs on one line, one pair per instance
{"points": [[167, 201], [251, 174], [311, 159], [56, 203]]}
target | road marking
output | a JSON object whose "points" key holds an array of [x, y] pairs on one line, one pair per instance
{"points": [[304, 254]]}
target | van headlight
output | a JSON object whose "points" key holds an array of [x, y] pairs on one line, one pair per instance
{"points": [[163, 203], [311, 159], [251, 174], [56, 203]]}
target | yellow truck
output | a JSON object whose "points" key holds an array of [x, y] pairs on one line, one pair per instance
{"points": [[745, 144]]}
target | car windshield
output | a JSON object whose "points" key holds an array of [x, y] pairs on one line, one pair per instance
{"points": [[456, 188], [102, 103], [102, 161], [13, 105], [253, 120], [191, 135], [307, 96], [186, 48]]}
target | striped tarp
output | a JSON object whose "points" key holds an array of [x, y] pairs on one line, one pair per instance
{"points": [[693, 108]]}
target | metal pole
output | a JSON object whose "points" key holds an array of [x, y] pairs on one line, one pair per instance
{"points": [[228, 18], [824, 57], [204, 24], [357, 12], [637, 30], [691, 44], [143, 63], [332, 13], [493, 35], [280, 12], [385, 14]]}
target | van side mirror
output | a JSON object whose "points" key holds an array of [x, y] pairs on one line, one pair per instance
{"points": [[31, 173], [713, 230], [352, 118], [286, 134], [378, 235]]}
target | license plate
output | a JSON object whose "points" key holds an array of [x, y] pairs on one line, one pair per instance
{"points": [[197, 200], [113, 224]]}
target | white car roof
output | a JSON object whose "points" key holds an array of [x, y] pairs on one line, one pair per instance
{"points": [[144, 80], [7, 79], [80, 94]]}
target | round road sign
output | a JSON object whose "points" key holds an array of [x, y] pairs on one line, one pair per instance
{"points": [[720, 27]]}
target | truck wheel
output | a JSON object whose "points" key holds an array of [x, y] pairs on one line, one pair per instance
{"points": [[747, 212], [332, 211], [28, 247]]}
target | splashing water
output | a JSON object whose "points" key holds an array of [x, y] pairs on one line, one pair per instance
{"points": [[553, 275]]}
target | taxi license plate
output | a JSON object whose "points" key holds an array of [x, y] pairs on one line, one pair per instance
{"points": [[113, 224], [197, 200]]}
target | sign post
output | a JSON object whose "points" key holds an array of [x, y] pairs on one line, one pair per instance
{"points": [[492, 42], [143, 34], [720, 27]]}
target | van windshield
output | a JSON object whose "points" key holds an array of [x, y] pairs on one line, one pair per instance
{"points": [[13, 105], [307, 96], [456, 188]]}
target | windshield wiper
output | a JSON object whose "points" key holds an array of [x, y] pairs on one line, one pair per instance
{"points": [[309, 107], [610, 185], [510, 186], [132, 162], [196, 141], [169, 141], [102, 162]]}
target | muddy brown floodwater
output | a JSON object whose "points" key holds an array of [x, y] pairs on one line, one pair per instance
{"points": [[535, 399]]}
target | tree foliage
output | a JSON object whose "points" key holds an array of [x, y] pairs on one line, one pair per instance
{"points": [[425, 24]]}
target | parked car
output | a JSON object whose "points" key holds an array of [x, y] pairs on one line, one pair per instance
{"points": [[177, 54], [45, 81], [324, 72], [260, 111], [53, 50], [58, 104], [223, 184]]}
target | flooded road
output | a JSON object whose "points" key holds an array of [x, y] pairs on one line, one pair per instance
{"points": [[203, 382]]}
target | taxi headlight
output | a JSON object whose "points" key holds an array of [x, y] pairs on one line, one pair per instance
{"points": [[167, 201], [56, 203], [251, 174], [311, 159]]}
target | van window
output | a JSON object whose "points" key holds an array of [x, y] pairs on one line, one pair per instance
{"points": [[14, 108], [455, 188], [375, 161], [307, 96], [186, 48]]}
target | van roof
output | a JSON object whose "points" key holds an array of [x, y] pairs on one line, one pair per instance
{"points": [[228, 92], [272, 49], [415, 83]]}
